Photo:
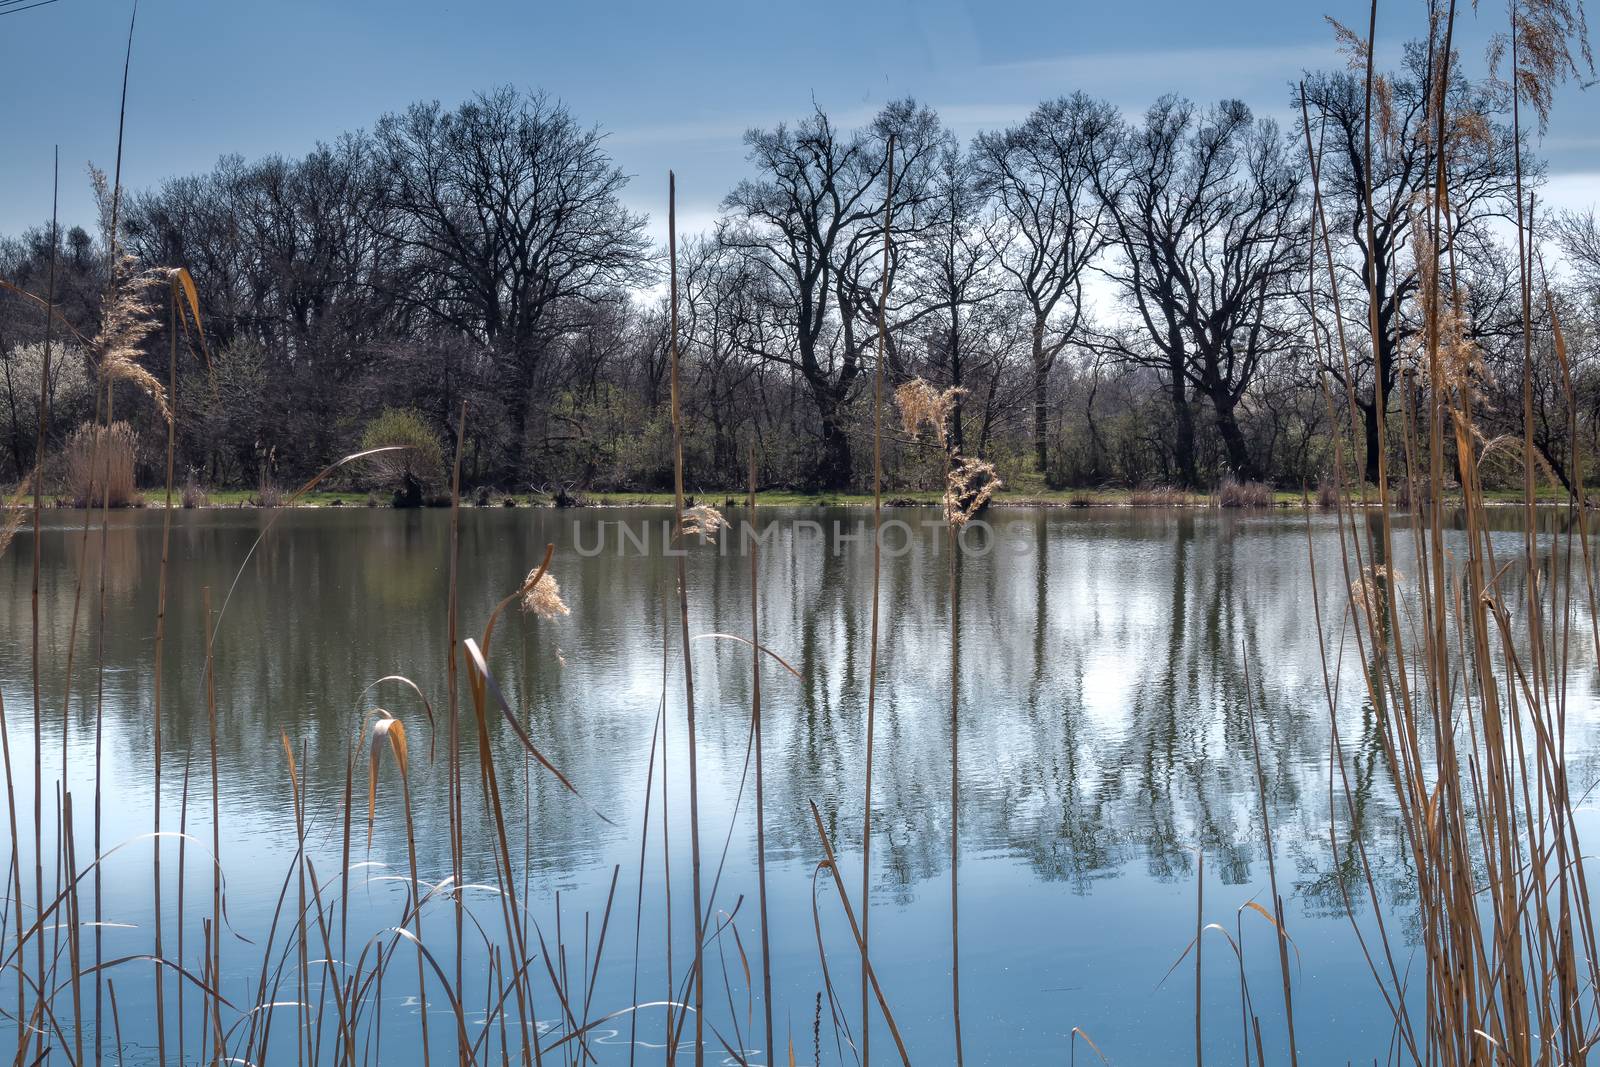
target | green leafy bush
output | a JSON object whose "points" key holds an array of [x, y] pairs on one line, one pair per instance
{"points": [[414, 470]]}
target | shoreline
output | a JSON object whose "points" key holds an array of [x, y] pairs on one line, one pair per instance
{"points": [[1062, 499]]}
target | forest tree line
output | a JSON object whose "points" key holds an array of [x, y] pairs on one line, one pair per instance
{"points": [[1125, 300]]}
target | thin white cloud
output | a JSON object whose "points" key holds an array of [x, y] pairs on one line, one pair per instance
{"points": [[1164, 64], [1571, 191]]}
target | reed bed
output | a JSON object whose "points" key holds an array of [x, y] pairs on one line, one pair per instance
{"points": [[1234, 494], [100, 462], [1469, 687]]}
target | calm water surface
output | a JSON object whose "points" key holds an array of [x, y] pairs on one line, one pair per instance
{"points": [[1109, 660]]}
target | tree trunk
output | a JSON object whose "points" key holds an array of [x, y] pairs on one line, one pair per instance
{"points": [[1096, 446], [833, 465], [1369, 413], [1239, 461], [1183, 424], [1373, 412], [409, 492], [1041, 383], [955, 378]]}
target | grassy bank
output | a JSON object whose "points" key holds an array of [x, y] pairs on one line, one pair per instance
{"points": [[1055, 498]]}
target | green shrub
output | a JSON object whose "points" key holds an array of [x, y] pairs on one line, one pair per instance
{"points": [[415, 470]]}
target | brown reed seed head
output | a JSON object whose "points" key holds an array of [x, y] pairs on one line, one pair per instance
{"points": [[129, 316], [1552, 47], [968, 488], [543, 598], [1368, 590], [703, 521], [1351, 45], [921, 404]]}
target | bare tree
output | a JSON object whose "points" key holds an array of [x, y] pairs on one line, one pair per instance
{"points": [[1397, 178], [1206, 212], [953, 271], [809, 222], [292, 258], [1040, 176], [1579, 238], [510, 210]]}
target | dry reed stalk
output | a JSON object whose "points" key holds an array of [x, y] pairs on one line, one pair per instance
{"points": [[644, 842], [855, 931], [666, 839], [1199, 946], [302, 993], [683, 617], [38, 509], [99, 723], [156, 708], [120, 328], [1319, 226], [755, 718], [1072, 1046], [215, 955], [183, 856], [388, 729], [182, 286], [11, 814], [14, 875], [1272, 873], [951, 547], [877, 581], [116, 1019], [74, 923], [1399, 750], [344, 877], [1500, 965], [452, 619], [480, 686]]}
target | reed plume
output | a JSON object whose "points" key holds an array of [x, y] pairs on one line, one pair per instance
{"points": [[129, 315], [541, 595], [923, 404]]}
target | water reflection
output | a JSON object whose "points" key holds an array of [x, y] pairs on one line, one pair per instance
{"points": [[1110, 663]]}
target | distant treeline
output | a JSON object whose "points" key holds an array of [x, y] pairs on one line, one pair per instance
{"points": [[1146, 300]]}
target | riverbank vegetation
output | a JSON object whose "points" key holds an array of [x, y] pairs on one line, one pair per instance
{"points": [[1122, 299]]}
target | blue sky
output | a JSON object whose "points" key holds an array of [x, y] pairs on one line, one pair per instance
{"points": [[675, 84]]}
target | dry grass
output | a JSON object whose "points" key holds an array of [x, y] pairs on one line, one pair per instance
{"points": [[1233, 494], [128, 318], [14, 511], [99, 467], [194, 494], [269, 495], [1508, 965]]}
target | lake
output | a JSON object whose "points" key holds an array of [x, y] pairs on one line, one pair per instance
{"points": [[1110, 664]]}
